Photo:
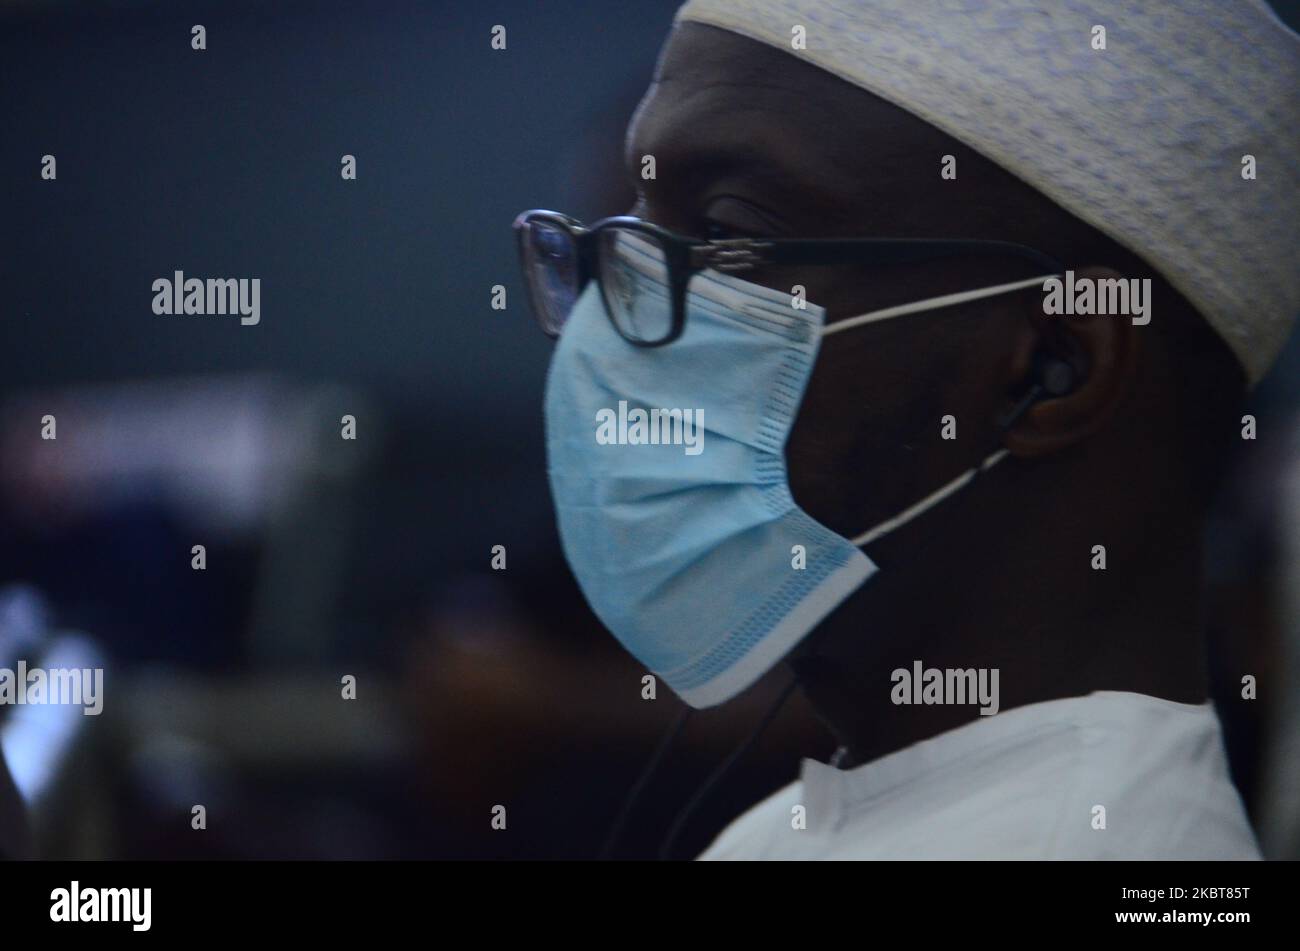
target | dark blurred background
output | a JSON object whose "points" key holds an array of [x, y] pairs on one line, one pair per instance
{"points": [[370, 557]]}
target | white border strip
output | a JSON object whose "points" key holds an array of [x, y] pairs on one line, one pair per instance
{"points": [[794, 627]]}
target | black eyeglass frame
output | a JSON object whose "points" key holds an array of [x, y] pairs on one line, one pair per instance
{"points": [[684, 257]]}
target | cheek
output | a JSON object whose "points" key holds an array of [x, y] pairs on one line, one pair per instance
{"points": [[817, 453], [840, 454], [867, 442]]}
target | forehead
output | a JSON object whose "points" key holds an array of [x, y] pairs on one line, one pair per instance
{"points": [[726, 109], [723, 104]]}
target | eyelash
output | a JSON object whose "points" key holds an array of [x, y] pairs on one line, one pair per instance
{"points": [[709, 229]]}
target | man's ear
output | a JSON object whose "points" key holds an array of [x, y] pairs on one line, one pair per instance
{"points": [[1101, 348]]}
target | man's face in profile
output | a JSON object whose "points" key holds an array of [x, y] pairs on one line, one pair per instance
{"points": [[749, 141]]}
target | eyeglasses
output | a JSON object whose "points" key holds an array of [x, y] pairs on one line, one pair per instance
{"points": [[636, 263]]}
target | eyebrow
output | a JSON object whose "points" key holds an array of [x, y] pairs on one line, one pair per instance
{"points": [[778, 171]]}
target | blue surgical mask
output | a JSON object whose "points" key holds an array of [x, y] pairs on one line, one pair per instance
{"points": [[685, 538]]}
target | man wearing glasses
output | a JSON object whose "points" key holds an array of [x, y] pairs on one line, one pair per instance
{"points": [[914, 480]]}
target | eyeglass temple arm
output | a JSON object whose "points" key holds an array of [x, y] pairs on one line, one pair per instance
{"points": [[831, 251]]}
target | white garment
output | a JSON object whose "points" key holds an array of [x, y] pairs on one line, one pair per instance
{"points": [[1023, 784]]}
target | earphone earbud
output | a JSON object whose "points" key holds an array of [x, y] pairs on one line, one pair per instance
{"points": [[1051, 376], [1055, 375]]}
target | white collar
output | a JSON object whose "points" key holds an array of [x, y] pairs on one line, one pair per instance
{"points": [[829, 792]]}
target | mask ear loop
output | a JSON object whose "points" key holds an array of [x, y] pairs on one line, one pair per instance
{"points": [[930, 501], [932, 303]]}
